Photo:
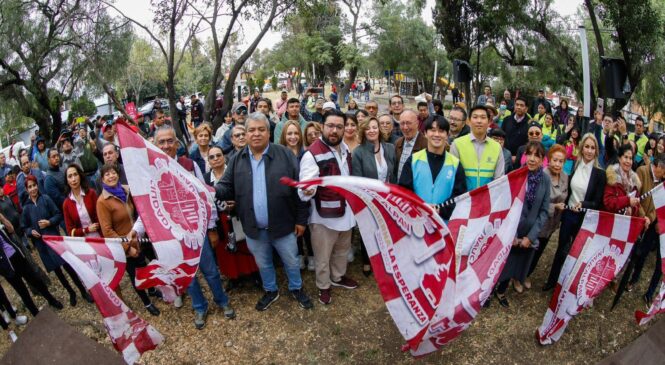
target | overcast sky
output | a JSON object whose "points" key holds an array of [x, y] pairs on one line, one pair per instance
{"points": [[140, 11]]}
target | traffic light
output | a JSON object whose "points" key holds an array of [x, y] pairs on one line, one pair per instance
{"points": [[462, 71]]}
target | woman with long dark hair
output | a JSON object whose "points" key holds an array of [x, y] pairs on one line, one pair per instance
{"points": [[80, 205], [41, 217]]}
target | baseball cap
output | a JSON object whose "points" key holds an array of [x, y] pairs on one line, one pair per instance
{"points": [[239, 108], [329, 105]]}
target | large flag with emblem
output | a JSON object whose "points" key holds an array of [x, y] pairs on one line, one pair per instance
{"points": [[410, 248], [483, 226], [100, 264], [658, 304], [175, 208], [598, 254]]}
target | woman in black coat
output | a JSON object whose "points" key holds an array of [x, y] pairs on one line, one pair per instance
{"points": [[533, 217], [586, 186]]}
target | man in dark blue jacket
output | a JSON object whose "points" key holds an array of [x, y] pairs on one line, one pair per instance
{"points": [[269, 220]]}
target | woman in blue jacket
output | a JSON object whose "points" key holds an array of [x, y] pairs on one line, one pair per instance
{"points": [[41, 217]]}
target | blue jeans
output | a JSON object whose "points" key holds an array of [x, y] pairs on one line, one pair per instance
{"points": [[287, 249], [210, 272]]}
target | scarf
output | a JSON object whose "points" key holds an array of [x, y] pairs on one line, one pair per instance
{"points": [[116, 191], [533, 182], [625, 179]]}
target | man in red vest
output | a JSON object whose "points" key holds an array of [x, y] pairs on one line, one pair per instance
{"points": [[331, 220]]}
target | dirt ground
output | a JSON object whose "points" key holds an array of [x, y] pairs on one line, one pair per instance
{"points": [[356, 328]]}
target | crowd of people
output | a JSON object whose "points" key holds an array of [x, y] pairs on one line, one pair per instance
{"points": [[78, 187]]}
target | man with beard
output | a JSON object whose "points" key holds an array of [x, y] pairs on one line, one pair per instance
{"points": [[458, 126], [331, 219], [69, 154]]}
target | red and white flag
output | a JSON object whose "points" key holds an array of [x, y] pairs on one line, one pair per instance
{"points": [[598, 254], [130, 108], [100, 264], [483, 225], [409, 246], [175, 208], [658, 305]]}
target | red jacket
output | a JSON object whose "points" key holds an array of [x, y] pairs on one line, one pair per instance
{"points": [[72, 220], [615, 197]]}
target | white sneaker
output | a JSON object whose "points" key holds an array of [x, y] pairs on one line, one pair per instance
{"points": [[21, 320], [12, 336], [178, 301], [302, 262], [311, 265], [5, 316], [349, 256]]}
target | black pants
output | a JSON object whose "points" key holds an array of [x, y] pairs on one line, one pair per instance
{"points": [[22, 271], [542, 244], [571, 222], [502, 286], [305, 242], [132, 264], [648, 243]]}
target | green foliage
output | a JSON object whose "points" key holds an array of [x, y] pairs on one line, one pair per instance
{"points": [[260, 79], [251, 84], [273, 82], [83, 106]]}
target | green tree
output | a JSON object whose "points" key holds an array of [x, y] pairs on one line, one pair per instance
{"points": [[83, 106], [273, 82]]}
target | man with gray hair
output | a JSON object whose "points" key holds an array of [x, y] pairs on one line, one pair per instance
{"points": [[165, 139], [270, 221], [411, 140]]}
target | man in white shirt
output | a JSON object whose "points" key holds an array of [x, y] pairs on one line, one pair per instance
{"points": [[331, 220]]}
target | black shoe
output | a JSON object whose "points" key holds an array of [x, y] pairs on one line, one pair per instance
{"points": [[502, 300], [152, 309], [232, 284], [302, 299], [56, 304], [155, 293], [488, 302], [72, 299], [548, 287], [266, 300]]}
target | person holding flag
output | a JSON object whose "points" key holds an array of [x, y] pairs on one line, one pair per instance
{"points": [[587, 184], [651, 174], [434, 175], [480, 156], [165, 139]]}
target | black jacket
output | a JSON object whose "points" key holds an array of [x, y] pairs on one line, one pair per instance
{"points": [[6, 268], [593, 198], [285, 209], [516, 133]]}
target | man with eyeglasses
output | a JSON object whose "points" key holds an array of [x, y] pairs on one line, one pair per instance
{"points": [[458, 126], [331, 219], [411, 141], [238, 113], [481, 157], [238, 135], [372, 108], [165, 139], [271, 221], [396, 108]]}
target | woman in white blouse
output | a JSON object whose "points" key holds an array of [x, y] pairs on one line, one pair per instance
{"points": [[372, 159], [586, 188]]}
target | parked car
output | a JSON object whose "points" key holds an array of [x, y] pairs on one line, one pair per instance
{"points": [[267, 88], [148, 108]]}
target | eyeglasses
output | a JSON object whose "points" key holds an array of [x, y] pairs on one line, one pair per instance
{"points": [[396, 103], [534, 134], [371, 107], [215, 156], [455, 119], [339, 127], [238, 135]]}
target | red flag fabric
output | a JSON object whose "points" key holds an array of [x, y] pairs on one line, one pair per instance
{"points": [[658, 305], [175, 208], [100, 264], [483, 225], [598, 254], [130, 108], [410, 248]]}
